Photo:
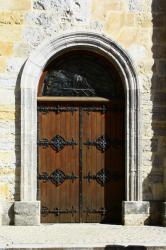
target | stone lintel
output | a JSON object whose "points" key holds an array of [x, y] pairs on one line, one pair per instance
{"points": [[27, 213], [135, 212]]}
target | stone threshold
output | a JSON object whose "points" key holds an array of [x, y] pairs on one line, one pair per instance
{"points": [[109, 247], [82, 236]]}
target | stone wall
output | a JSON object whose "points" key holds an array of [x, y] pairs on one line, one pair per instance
{"points": [[137, 25]]}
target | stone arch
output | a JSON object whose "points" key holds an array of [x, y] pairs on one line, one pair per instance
{"points": [[29, 84]]}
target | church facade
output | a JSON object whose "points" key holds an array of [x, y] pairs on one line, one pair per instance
{"points": [[83, 112]]}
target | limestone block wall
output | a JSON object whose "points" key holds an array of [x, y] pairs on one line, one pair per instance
{"points": [[137, 25]]}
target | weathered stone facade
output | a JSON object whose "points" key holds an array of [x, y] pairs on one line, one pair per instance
{"points": [[138, 26]]}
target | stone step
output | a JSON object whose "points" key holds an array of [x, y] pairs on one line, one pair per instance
{"points": [[113, 247], [83, 236]]}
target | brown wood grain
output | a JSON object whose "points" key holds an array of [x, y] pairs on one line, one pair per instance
{"points": [[94, 195]]}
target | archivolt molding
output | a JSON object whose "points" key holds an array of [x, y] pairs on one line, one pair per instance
{"points": [[33, 68]]}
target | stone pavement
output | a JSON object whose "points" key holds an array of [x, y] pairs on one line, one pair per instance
{"points": [[81, 236]]}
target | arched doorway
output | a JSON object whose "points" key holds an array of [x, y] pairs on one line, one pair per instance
{"points": [[81, 143], [33, 69]]}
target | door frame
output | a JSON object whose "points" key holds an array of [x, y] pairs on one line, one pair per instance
{"points": [[31, 74]]}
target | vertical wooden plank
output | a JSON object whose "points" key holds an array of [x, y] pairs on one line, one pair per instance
{"points": [[63, 191], [108, 166], [93, 166], [41, 152], [75, 188], [81, 156], [86, 163], [100, 165]]}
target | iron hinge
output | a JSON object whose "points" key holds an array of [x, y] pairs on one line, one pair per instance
{"points": [[102, 143], [57, 143], [57, 177], [56, 211], [101, 211], [101, 177], [57, 109], [103, 109]]}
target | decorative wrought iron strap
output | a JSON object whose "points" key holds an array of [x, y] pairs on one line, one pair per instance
{"points": [[101, 177], [56, 109], [101, 211], [57, 143], [57, 177], [43, 142], [103, 109], [102, 143], [56, 211]]}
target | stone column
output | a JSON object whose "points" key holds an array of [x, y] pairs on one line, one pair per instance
{"points": [[27, 211]]}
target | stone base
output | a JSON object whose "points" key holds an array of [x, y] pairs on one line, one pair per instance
{"points": [[163, 214], [136, 213], [27, 213]]}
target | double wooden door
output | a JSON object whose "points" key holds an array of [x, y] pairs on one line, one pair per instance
{"points": [[80, 162]]}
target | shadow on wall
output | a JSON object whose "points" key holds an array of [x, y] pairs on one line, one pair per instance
{"points": [[153, 186]]}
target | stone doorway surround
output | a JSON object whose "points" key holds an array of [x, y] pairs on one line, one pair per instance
{"points": [[27, 211]]}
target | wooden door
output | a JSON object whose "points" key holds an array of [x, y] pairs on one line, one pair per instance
{"points": [[81, 162]]}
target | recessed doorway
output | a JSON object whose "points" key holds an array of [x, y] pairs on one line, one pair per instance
{"points": [[81, 140]]}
